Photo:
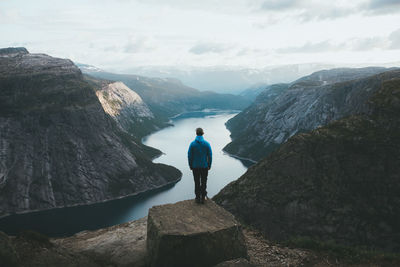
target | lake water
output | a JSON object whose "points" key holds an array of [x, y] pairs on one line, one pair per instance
{"points": [[173, 142]]}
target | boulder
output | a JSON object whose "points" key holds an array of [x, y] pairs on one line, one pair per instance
{"points": [[191, 234]]}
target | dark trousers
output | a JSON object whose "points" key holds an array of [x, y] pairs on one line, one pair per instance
{"points": [[200, 182]]}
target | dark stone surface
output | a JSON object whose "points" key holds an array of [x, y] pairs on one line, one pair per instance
{"points": [[12, 51], [190, 234]]}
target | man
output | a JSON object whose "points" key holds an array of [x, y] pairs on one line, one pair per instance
{"points": [[200, 158]]}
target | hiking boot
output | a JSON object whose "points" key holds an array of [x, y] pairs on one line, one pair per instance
{"points": [[203, 198], [197, 200]]}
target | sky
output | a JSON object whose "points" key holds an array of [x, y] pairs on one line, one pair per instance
{"points": [[119, 34]]}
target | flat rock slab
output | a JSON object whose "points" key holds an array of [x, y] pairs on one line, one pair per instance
{"points": [[191, 234], [119, 245]]}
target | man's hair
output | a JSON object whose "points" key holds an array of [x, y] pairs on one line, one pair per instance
{"points": [[199, 131]]}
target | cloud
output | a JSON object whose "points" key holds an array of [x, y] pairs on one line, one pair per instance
{"points": [[213, 6], [365, 44], [252, 52], [110, 48], [307, 10], [280, 4], [311, 48], [324, 13], [383, 6], [394, 39], [136, 46], [243, 52], [204, 48], [355, 44], [322, 10]]}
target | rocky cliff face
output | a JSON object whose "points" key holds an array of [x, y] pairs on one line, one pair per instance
{"points": [[57, 145], [121, 102], [339, 182], [283, 110], [126, 107]]}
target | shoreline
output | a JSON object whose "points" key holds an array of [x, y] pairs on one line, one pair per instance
{"points": [[94, 203], [239, 157]]}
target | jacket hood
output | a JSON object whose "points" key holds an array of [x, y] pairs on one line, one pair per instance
{"points": [[199, 139]]}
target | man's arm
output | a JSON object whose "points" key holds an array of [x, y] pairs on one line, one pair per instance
{"points": [[190, 156], [209, 156]]}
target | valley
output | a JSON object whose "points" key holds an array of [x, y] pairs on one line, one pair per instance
{"points": [[323, 151], [59, 147]]}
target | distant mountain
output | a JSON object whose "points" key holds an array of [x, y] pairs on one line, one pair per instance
{"points": [[339, 183], [324, 77], [283, 110], [228, 79], [58, 147], [168, 97], [87, 68], [253, 91]]}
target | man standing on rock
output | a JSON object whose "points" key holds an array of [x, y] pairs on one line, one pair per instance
{"points": [[200, 158]]}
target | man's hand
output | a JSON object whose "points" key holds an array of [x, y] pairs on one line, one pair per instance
{"points": [[209, 168]]}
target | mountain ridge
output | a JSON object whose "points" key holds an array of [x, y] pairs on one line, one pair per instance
{"points": [[58, 147], [301, 106], [338, 182], [167, 97]]}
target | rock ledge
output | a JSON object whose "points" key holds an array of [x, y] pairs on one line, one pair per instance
{"points": [[190, 234]]}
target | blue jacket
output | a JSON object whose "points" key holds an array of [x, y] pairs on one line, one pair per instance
{"points": [[200, 154]]}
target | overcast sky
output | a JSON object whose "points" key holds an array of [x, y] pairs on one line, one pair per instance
{"points": [[118, 34]]}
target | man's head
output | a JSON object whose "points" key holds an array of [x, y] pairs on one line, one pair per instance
{"points": [[199, 131]]}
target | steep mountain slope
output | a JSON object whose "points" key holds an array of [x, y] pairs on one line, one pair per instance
{"points": [[57, 145], [339, 182], [304, 105], [126, 107], [168, 97]]}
